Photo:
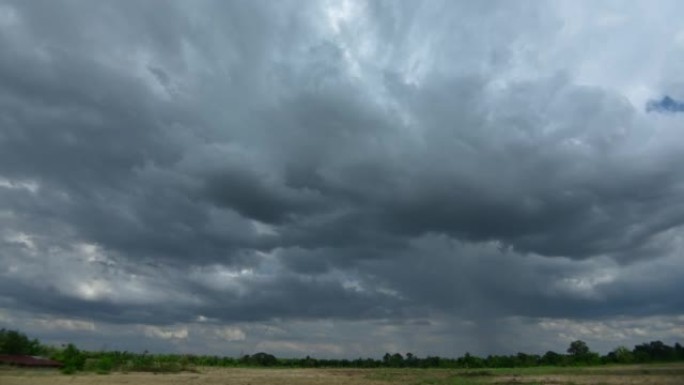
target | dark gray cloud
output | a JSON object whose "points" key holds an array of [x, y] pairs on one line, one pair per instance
{"points": [[666, 105], [379, 166]]}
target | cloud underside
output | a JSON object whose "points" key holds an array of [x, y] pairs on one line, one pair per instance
{"points": [[247, 163]]}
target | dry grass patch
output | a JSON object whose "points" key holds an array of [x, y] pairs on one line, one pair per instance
{"points": [[630, 375], [618, 375], [208, 376]]}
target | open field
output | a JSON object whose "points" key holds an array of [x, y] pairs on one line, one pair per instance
{"points": [[617, 375]]}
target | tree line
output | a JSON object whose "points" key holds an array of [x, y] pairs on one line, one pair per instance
{"points": [[577, 354]]}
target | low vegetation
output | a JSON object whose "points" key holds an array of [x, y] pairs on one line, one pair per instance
{"points": [[578, 355]]}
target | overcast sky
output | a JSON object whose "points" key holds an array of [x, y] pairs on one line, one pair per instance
{"points": [[342, 178]]}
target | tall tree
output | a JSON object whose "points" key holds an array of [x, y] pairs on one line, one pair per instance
{"points": [[14, 342], [578, 348]]}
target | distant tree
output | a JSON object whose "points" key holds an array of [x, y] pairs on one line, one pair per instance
{"points": [[654, 351], [551, 359], [411, 360], [679, 351], [15, 342], [527, 360], [470, 361], [396, 360], [581, 355], [309, 362], [431, 362], [262, 359], [498, 361], [621, 355], [578, 348]]}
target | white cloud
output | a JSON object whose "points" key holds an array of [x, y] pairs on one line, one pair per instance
{"points": [[66, 324], [166, 332], [299, 348], [231, 333], [618, 330], [28, 185]]}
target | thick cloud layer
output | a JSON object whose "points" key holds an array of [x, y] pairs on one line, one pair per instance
{"points": [[221, 167]]}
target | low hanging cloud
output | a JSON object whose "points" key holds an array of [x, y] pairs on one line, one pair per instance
{"points": [[225, 168]]}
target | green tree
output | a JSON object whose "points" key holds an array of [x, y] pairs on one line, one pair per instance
{"points": [[580, 354], [14, 342], [551, 358], [578, 348], [411, 360], [261, 359], [621, 355], [396, 360], [72, 358], [654, 351]]}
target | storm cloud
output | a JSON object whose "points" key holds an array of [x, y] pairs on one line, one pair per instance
{"points": [[320, 177], [666, 105]]}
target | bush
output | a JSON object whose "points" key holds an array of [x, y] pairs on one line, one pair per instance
{"points": [[104, 365], [67, 370], [101, 365], [72, 358]]}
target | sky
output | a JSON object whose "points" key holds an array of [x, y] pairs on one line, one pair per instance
{"points": [[342, 178]]}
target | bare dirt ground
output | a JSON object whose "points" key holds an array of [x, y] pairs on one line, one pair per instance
{"points": [[629, 375], [626, 375], [589, 380], [205, 376]]}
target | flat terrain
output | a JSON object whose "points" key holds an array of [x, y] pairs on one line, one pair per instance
{"points": [[618, 375]]}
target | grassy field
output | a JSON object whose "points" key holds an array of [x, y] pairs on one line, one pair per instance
{"points": [[617, 375]]}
